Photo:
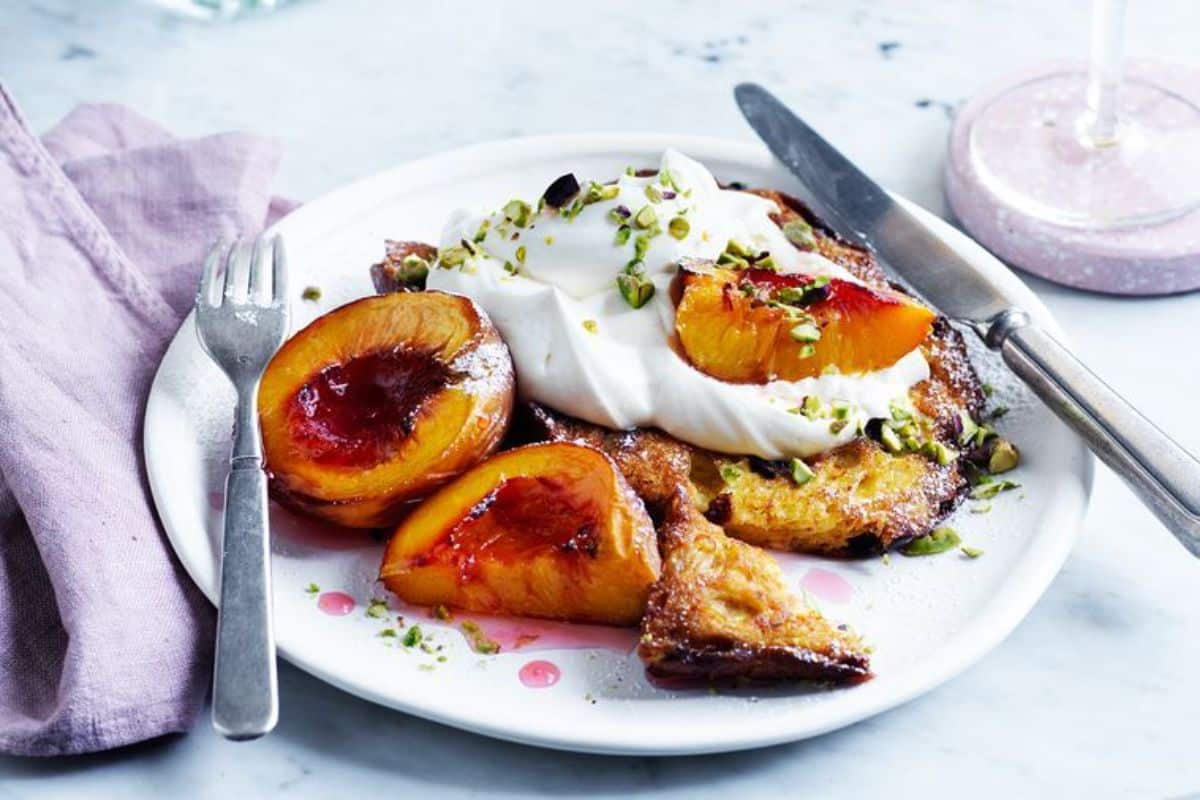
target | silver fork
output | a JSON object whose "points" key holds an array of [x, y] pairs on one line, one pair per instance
{"points": [[240, 328]]}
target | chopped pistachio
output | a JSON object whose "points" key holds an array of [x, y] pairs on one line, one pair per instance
{"points": [[480, 642], [811, 407], [312, 588], [590, 326], [481, 234], [630, 171], [807, 351], [388, 633], [653, 193], [801, 472], [728, 260], [938, 540], [899, 413], [311, 293], [440, 612], [988, 390], [636, 289], [667, 178], [598, 191], [518, 212], [739, 250], [413, 270], [453, 257], [619, 214], [572, 212], [800, 233], [377, 608], [938, 452], [511, 268], [997, 412], [766, 262], [983, 433], [805, 332], [730, 473], [838, 425], [971, 552], [969, 428], [1005, 456], [791, 295], [521, 254], [678, 227], [890, 440], [988, 490], [425, 667], [640, 245], [413, 636], [840, 409], [549, 240], [623, 233], [982, 508], [645, 217]]}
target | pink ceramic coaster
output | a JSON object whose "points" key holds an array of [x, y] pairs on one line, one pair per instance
{"points": [[1152, 259]]}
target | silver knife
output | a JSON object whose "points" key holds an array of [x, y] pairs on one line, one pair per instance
{"points": [[1164, 475]]}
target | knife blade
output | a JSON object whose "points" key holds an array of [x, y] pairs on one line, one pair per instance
{"points": [[1163, 475], [862, 211]]}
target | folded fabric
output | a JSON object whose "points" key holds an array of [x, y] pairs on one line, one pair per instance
{"points": [[103, 225]]}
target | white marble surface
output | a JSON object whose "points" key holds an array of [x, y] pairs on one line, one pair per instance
{"points": [[1094, 695]]}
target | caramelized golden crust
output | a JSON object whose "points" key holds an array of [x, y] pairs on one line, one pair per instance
{"points": [[861, 501], [721, 611]]}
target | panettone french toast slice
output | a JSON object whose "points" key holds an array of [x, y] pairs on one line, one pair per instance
{"points": [[721, 612], [863, 498]]}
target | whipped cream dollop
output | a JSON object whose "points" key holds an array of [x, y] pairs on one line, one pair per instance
{"points": [[578, 346]]}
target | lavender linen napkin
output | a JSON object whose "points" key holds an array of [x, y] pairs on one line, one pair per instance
{"points": [[103, 224]]}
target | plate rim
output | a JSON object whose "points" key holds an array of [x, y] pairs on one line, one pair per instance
{"points": [[989, 630]]}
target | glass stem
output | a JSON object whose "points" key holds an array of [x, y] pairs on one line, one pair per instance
{"points": [[1104, 71]]}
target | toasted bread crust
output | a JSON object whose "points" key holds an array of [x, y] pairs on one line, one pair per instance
{"points": [[654, 463], [721, 611]]}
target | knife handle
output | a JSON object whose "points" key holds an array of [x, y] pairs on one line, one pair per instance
{"points": [[1164, 475]]}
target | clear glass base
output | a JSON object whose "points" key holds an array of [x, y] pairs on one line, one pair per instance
{"points": [[1032, 146]]}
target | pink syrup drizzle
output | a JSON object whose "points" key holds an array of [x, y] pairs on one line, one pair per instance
{"points": [[528, 635], [539, 674], [827, 585], [337, 604], [292, 529]]}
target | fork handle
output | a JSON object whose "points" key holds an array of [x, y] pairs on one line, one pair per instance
{"points": [[1164, 475], [245, 685]]}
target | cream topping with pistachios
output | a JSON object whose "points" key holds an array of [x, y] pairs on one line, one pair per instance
{"points": [[578, 284]]}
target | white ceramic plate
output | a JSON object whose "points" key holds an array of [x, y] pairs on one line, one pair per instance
{"points": [[928, 618]]}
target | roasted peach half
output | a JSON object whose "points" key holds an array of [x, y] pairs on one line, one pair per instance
{"points": [[546, 530], [754, 325], [377, 403]]}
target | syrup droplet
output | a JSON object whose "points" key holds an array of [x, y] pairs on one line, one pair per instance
{"points": [[337, 604], [539, 674], [827, 585]]}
